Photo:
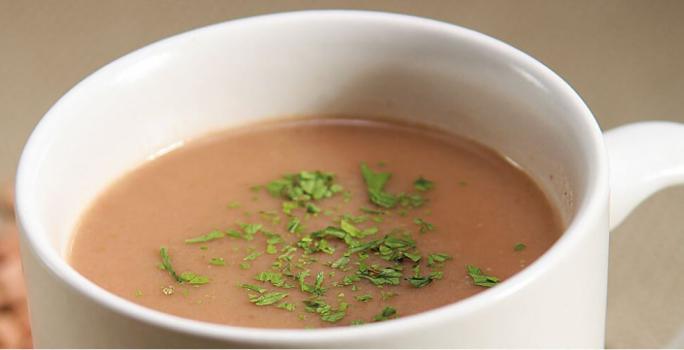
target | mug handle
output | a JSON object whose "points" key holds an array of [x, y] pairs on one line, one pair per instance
{"points": [[643, 159]]}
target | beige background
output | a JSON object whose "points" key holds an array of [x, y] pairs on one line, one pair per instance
{"points": [[625, 58]]}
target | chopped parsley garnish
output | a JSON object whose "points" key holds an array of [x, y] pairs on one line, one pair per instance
{"points": [[326, 312], [437, 259], [411, 200], [275, 278], [254, 288], [287, 306], [304, 186], [479, 278], [388, 295], [519, 247], [335, 315], [233, 233], [419, 281], [216, 234], [217, 262], [193, 278], [375, 183], [249, 230], [272, 239], [373, 211], [340, 263], [288, 207], [380, 275], [423, 225], [312, 208], [364, 298], [359, 257], [386, 313], [252, 256], [166, 264], [267, 298], [422, 184], [316, 288], [295, 225], [354, 232]]}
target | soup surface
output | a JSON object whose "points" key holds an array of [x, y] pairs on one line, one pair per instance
{"points": [[314, 223]]}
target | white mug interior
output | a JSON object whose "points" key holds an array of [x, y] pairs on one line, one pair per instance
{"points": [[320, 63]]}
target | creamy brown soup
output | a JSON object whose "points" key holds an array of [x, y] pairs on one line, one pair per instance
{"points": [[212, 231]]}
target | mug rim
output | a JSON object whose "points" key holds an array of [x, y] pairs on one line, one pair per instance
{"points": [[589, 210]]}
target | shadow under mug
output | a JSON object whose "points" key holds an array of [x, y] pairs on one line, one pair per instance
{"points": [[330, 63]]}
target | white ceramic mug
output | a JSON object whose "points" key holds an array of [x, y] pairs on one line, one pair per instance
{"points": [[331, 63]]}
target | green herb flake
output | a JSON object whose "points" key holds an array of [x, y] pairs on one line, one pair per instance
{"points": [[436, 275], [415, 257], [245, 266], [233, 205], [267, 298], [316, 306], [388, 295], [304, 186], [216, 234], [340, 263], [423, 225], [364, 298], [250, 230], [519, 247], [275, 278], [411, 200], [217, 262], [355, 232], [326, 311], [138, 293], [479, 278], [373, 211], [287, 306], [252, 256], [355, 219], [419, 281], [437, 259], [312, 208], [194, 278], [295, 225], [379, 276], [386, 313], [233, 233], [316, 288], [357, 322], [288, 207], [253, 288], [334, 316], [166, 264], [346, 196], [375, 184], [422, 184]]}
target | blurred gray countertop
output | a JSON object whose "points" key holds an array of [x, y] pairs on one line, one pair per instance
{"points": [[625, 58]]}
